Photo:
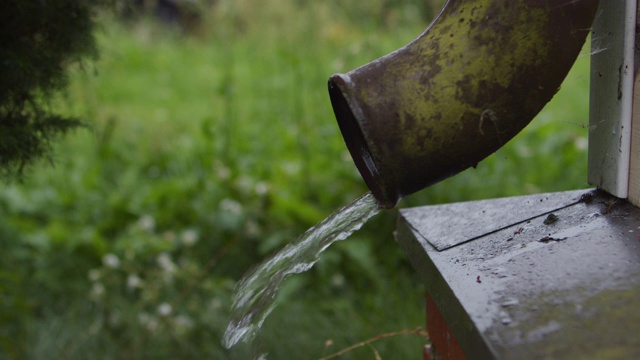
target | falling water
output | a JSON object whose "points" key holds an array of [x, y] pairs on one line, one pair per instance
{"points": [[256, 292]]}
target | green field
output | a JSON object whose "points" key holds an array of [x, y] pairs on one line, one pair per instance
{"points": [[207, 150]]}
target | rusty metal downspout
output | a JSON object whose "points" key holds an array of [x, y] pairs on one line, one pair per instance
{"points": [[477, 76]]}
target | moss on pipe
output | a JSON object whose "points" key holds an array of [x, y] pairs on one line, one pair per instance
{"points": [[476, 77]]}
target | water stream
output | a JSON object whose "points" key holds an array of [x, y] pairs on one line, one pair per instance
{"points": [[256, 292]]}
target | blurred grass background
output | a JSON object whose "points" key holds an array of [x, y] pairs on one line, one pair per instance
{"points": [[212, 144]]}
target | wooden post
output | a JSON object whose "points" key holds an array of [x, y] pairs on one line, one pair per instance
{"points": [[612, 77], [634, 165]]}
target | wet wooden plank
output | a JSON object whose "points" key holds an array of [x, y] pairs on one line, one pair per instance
{"points": [[566, 287]]}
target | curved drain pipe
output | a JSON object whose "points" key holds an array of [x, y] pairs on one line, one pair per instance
{"points": [[477, 76]]}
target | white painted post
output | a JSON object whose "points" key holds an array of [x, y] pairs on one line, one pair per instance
{"points": [[611, 95], [634, 165]]}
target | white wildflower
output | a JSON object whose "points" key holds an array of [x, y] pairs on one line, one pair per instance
{"points": [[152, 325], [97, 290], [215, 304], [189, 237], [245, 184], [581, 143], [231, 206], [164, 309], [338, 280], [147, 223], [262, 188], [291, 167], [252, 228], [144, 318], [222, 172], [165, 262], [183, 321], [133, 281], [111, 260], [94, 275]]}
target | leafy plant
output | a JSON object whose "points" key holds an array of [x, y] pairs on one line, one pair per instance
{"points": [[38, 42]]}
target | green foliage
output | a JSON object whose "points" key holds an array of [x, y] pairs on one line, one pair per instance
{"points": [[208, 152], [38, 40]]}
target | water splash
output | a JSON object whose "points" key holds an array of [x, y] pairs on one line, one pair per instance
{"points": [[256, 292]]}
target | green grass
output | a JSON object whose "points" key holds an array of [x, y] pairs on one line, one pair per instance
{"points": [[209, 151]]}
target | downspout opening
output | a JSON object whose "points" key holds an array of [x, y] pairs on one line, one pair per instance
{"points": [[356, 142]]}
